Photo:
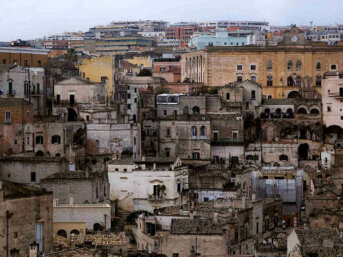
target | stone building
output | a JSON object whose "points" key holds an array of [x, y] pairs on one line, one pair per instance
{"points": [[84, 187], [149, 184], [29, 169], [16, 126], [26, 83], [26, 215], [314, 242], [292, 64]]}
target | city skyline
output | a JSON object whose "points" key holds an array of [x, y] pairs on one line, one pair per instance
{"points": [[45, 18]]}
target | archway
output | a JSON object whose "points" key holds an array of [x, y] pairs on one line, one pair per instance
{"points": [[303, 152], [289, 113], [72, 115], [290, 81], [97, 227], [294, 94], [196, 110], [62, 233], [40, 153], [75, 232], [302, 110], [314, 112]]}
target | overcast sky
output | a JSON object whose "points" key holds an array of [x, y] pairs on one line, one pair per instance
{"points": [[28, 19]]}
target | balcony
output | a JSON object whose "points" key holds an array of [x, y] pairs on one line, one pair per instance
{"points": [[156, 198], [336, 95], [11, 92]]}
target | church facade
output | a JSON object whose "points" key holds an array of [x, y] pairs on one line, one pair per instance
{"points": [[282, 69]]}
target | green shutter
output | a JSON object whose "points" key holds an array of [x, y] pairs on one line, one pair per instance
{"points": [[38, 88], [10, 88]]}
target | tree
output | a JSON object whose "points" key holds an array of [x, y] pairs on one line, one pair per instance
{"points": [[71, 55], [144, 73]]}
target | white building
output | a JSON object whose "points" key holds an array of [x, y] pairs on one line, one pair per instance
{"points": [[92, 214], [147, 184]]}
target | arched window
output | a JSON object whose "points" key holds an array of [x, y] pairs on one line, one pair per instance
{"points": [[62, 233], [203, 132], [298, 65], [290, 65], [239, 78], [196, 110], [269, 65], [39, 140], [314, 112], [75, 232], [283, 157], [298, 81], [318, 81], [55, 139], [269, 81], [196, 156], [194, 132], [302, 110], [253, 78], [318, 66], [185, 110], [290, 81]]}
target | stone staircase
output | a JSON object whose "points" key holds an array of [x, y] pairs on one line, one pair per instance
{"points": [[120, 220]]}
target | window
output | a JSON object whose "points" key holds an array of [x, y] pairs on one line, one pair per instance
{"points": [[298, 65], [318, 66], [128, 96], [39, 63], [234, 135], [27, 115], [333, 67], [253, 67], [329, 108], [15, 234], [58, 99], [253, 78], [253, 95], [203, 132], [269, 96], [227, 96], [28, 140], [135, 100], [289, 65], [33, 176], [298, 81], [185, 110], [215, 136], [15, 142], [239, 67], [196, 110], [269, 81], [71, 98], [194, 132], [87, 117], [290, 81], [10, 87], [168, 132], [56, 139], [39, 140], [7, 117], [269, 65], [239, 78], [283, 157], [318, 81], [3, 61], [167, 151], [196, 155], [165, 112], [97, 143], [129, 106], [26, 63]]}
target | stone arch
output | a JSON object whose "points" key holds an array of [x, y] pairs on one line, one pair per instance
{"points": [[314, 111], [294, 94], [302, 110], [72, 115], [75, 232], [62, 233], [97, 227], [196, 110], [40, 153]]}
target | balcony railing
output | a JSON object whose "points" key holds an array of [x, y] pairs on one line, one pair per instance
{"points": [[336, 95], [11, 92], [156, 197]]}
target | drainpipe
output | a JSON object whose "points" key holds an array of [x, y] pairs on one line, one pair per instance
{"points": [[8, 217]]}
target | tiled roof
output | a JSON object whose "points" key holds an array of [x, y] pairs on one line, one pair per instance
{"points": [[13, 102], [15, 190]]}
